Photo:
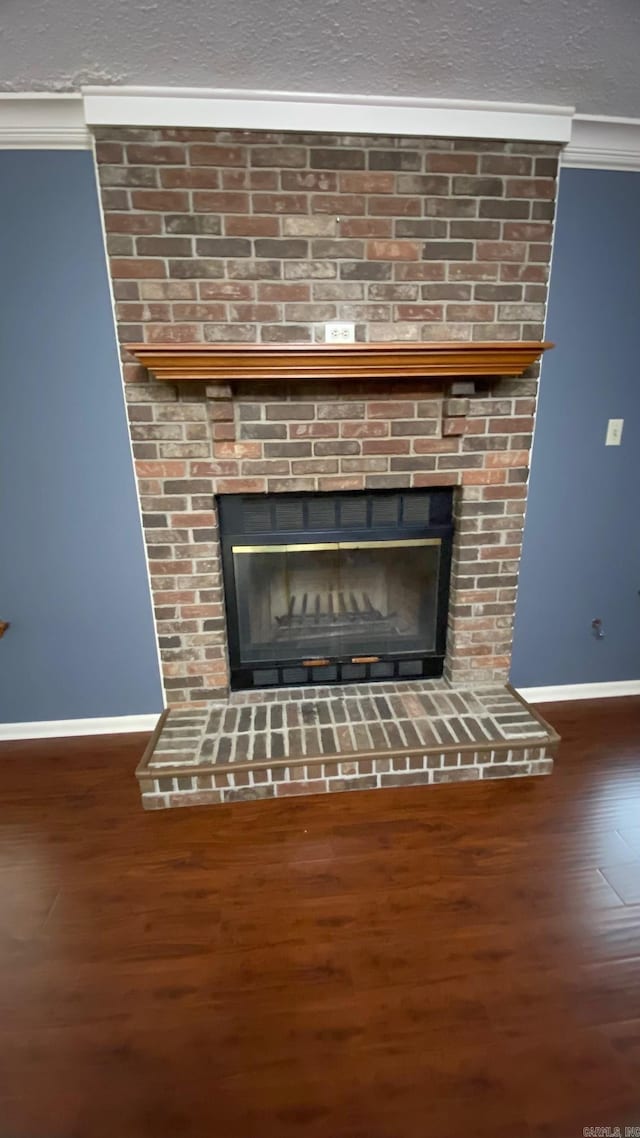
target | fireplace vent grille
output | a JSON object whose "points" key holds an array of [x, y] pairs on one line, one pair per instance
{"points": [[313, 514], [353, 513], [386, 511], [257, 516], [289, 515], [321, 513]]}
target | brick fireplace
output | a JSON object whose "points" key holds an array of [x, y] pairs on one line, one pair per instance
{"points": [[247, 238]]}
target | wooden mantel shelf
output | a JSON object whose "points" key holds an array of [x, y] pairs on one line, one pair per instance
{"points": [[229, 362]]}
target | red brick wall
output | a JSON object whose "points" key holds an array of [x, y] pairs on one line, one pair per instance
{"points": [[236, 236]]}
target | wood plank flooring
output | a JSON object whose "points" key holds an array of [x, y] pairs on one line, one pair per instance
{"points": [[455, 962]]}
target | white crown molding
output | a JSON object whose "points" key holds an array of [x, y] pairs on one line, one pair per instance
{"points": [[65, 728], [344, 114], [33, 120], [41, 120], [600, 143], [580, 691]]}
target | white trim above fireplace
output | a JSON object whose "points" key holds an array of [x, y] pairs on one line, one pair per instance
{"points": [[42, 120], [238, 109], [600, 143], [34, 120]]}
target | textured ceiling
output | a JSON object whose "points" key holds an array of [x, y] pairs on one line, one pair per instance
{"points": [[583, 52]]}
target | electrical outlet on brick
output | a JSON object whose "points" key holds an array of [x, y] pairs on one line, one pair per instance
{"points": [[339, 333]]}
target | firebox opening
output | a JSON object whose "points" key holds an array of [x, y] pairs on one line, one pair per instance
{"points": [[336, 587]]}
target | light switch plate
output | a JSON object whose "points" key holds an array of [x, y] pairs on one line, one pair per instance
{"points": [[614, 432]]}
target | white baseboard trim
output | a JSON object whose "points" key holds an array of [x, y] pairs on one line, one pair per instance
{"points": [[65, 728], [565, 692]]}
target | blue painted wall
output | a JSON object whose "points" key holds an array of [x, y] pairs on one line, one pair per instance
{"points": [[582, 536], [72, 571]]}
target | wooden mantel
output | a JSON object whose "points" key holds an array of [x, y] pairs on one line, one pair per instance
{"points": [[229, 362]]}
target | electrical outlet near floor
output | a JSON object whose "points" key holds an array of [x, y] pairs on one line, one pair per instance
{"points": [[339, 333], [614, 432]]}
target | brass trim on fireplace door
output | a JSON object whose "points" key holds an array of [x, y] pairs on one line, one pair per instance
{"points": [[336, 545]]}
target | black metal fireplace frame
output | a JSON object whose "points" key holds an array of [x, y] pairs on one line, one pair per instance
{"points": [[418, 514]]}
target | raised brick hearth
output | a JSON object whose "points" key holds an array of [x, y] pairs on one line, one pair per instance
{"points": [[274, 744], [234, 236]]}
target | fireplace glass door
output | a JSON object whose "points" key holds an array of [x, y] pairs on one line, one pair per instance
{"points": [[352, 598], [328, 588]]}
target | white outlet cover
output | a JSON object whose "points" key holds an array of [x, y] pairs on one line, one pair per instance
{"points": [[339, 332]]}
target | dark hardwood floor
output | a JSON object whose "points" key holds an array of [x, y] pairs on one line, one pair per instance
{"points": [[455, 962]]}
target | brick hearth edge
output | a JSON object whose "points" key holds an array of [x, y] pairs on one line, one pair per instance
{"points": [[270, 744]]}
